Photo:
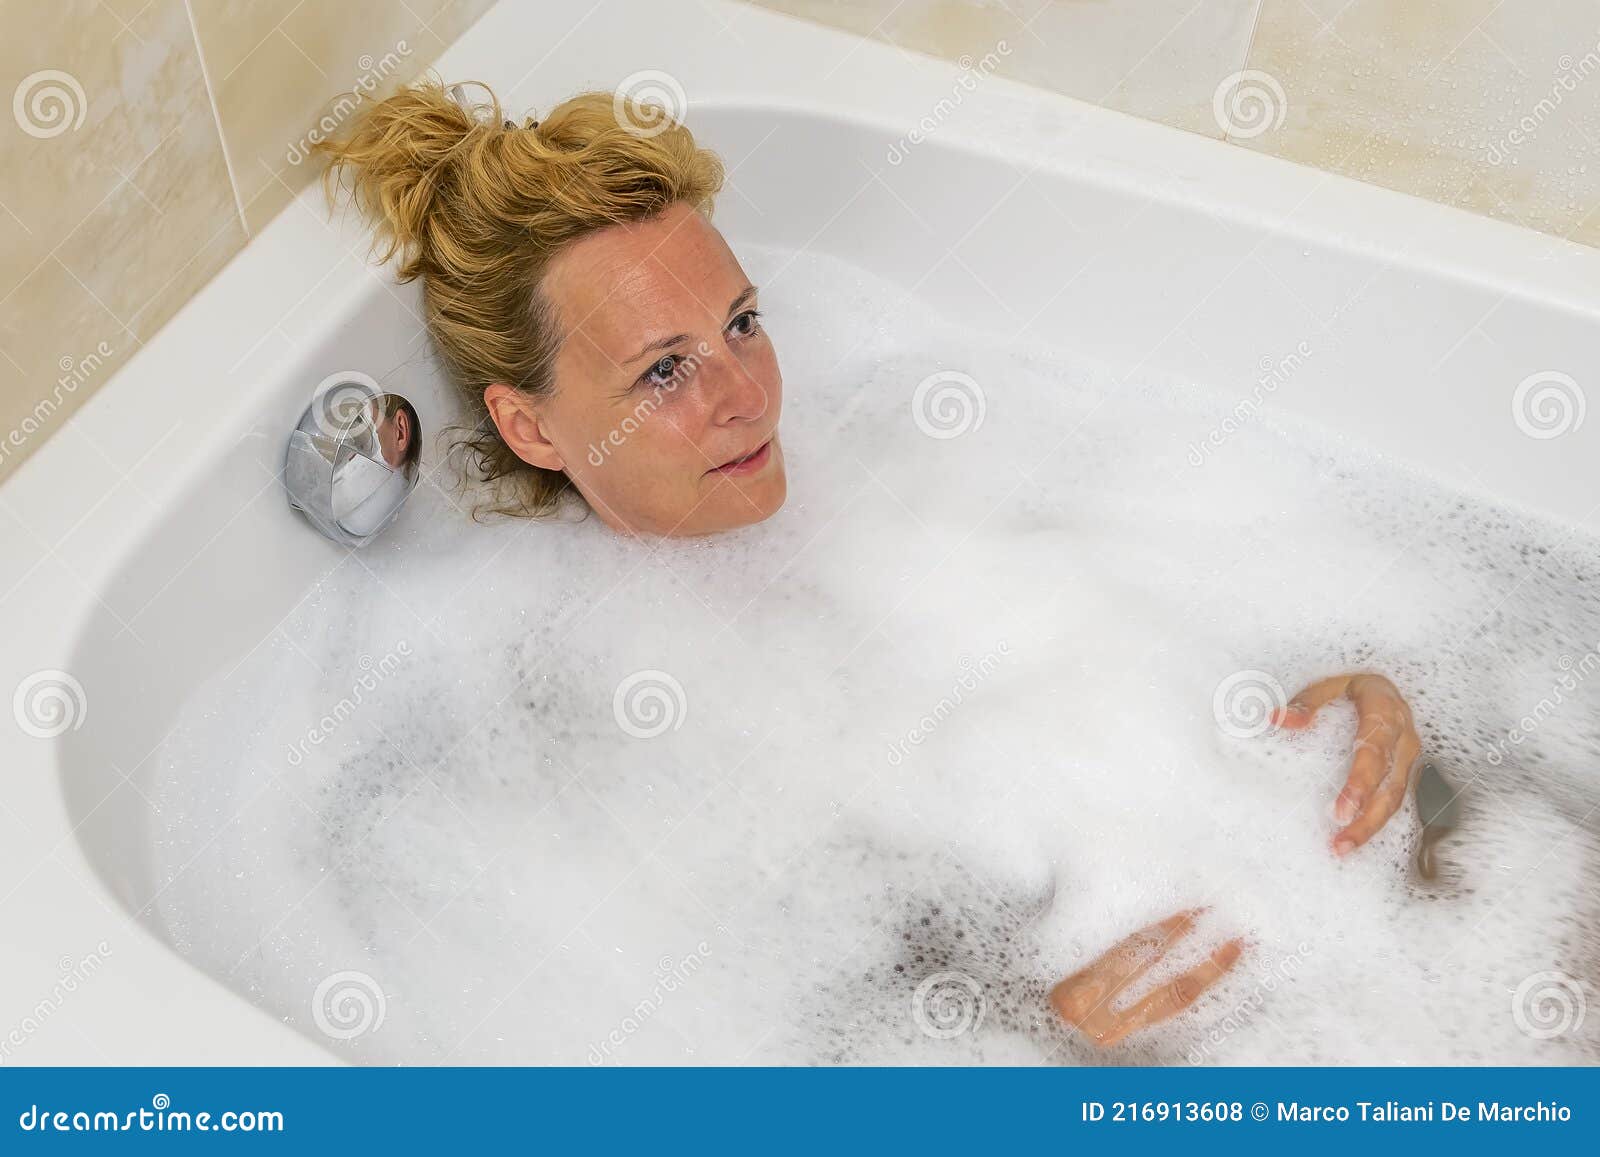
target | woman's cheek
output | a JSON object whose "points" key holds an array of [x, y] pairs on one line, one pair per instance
{"points": [[684, 427]]}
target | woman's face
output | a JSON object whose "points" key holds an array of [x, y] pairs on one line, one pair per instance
{"points": [[667, 390]]}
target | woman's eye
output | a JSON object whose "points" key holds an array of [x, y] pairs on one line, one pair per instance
{"points": [[747, 323], [661, 373]]}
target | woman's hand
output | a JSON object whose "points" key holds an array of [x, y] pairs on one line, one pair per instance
{"points": [[1386, 751], [1085, 998]]}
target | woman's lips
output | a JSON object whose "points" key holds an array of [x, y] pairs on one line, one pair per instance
{"points": [[749, 464]]}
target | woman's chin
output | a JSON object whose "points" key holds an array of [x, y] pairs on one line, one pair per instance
{"points": [[761, 495], [725, 501], [735, 500], [738, 505]]}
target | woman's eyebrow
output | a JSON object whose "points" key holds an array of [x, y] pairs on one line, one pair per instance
{"points": [[658, 344], [739, 303]]}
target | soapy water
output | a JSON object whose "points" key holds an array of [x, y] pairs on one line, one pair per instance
{"points": [[858, 784]]}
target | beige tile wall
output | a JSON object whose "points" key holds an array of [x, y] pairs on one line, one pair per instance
{"points": [[1490, 105], [150, 139], [1154, 58]]}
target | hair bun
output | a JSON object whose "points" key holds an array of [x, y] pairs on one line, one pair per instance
{"points": [[397, 157]]}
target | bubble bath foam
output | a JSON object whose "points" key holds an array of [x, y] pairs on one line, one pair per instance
{"points": [[858, 784]]}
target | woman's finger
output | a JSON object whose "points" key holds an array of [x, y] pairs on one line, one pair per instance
{"points": [[1378, 693], [1133, 956], [1090, 990], [1303, 708], [1177, 994], [1369, 766], [1387, 800]]}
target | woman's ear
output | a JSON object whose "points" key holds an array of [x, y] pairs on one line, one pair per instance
{"points": [[516, 415]]}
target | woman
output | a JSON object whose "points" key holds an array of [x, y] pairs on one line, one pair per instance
{"points": [[612, 349]]}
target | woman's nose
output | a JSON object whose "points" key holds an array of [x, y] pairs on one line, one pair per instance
{"points": [[739, 397]]}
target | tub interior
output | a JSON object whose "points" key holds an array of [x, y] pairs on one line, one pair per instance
{"points": [[1417, 361]]}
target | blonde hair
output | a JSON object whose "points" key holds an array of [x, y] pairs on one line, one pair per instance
{"points": [[477, 207]]}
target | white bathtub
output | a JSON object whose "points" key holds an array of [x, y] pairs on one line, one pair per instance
{"points": [[148, 545]]}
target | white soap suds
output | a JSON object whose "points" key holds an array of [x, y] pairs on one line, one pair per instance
{"points": [[934, 736]]}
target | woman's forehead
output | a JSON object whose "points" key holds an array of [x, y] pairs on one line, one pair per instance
{"points": [[629, 285]]}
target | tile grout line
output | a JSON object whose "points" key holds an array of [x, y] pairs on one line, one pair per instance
{"points": [[1255, 31], [216, 117], [1244, 63]]}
